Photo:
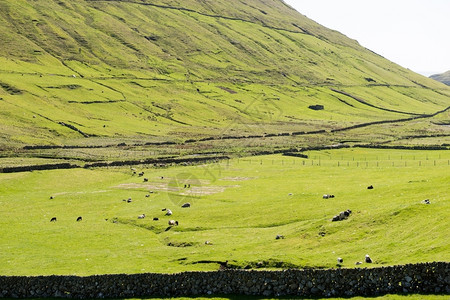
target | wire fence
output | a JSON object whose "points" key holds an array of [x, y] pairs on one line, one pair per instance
{"points": [[351, 163]]}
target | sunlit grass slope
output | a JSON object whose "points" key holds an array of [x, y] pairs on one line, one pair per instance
{"points": [[238, 206], [180, 69]]}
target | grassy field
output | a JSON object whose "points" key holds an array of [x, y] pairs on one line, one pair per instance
{"points": [[239, 206]]}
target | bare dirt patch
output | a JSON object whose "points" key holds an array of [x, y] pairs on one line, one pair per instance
{"points": [[237, 178], [164, 187]]}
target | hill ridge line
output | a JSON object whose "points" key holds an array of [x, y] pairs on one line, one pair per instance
{"points": [[211, 15], [372, 105]]}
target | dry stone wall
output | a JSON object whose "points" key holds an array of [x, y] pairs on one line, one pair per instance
{"points": [[425, 278]]}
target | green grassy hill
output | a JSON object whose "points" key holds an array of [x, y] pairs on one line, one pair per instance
{"points": [[444, 77], [106, 72]]}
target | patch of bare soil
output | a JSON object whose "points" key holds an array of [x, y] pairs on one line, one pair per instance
{"points": [[164, 187], [237, 178], [76, 193]]}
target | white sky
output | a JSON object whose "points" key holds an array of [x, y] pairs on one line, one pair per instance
{"points": [[412, 33]]}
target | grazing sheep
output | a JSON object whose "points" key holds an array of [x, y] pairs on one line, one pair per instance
{"points": [[141, 216], [168, 212], [51, 197], [189, 186], [208, 243], [145, 179], [358, 263], [342, 215], [290, 194], [186, 205], [53, 219], [370, 187], [340, 260], [141, 174], [368, 259], [148, 195], [326, 196], [279, 236], [426, 201], [79, 219], [173, 223], [155, 219]]}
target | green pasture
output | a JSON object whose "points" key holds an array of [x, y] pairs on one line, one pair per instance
{"points": [[239, 206], [111, 71]]}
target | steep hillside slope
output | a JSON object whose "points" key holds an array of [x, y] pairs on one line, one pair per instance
{"points": [[444, 77], [104, 72]]}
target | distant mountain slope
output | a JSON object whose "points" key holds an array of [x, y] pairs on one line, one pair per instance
{"points": [[444, 77], [177, 69]]}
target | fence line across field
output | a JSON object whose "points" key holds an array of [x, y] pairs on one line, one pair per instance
{"points": [[348, 163]]}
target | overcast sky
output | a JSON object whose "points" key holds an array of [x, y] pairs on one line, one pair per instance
{"points": [[413, 33]]}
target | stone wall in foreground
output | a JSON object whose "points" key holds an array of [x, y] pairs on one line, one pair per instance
{"points": [[426, 278]]}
